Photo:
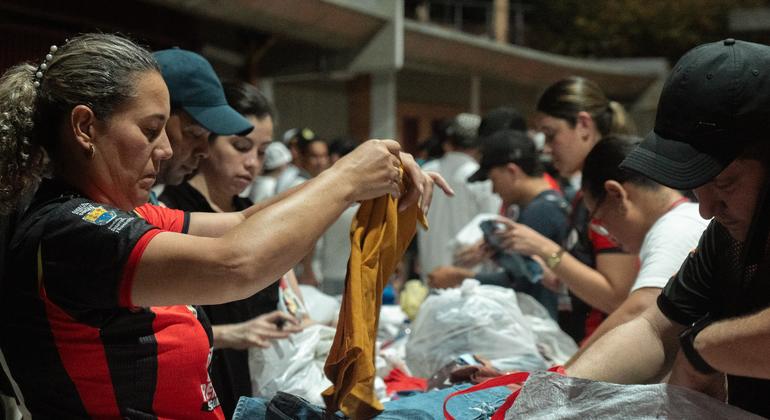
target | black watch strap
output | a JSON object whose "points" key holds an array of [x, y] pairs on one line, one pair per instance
{"points": [[687, 341]]}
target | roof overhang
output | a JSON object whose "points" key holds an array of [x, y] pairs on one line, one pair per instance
{"points": [[347, 26]]}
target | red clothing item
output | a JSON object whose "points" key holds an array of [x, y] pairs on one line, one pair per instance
{"points": [[397, 380], [552, 182]]}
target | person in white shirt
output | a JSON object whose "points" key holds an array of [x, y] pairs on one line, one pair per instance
{"points": [[277, 159], [644, 217], [447, 217]]}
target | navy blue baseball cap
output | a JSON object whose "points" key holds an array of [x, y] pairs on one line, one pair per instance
{"points": [[195, 88], [714, 103]]}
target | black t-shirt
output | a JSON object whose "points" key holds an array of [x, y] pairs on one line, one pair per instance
{"points": [[229, 367], [713, 281]]}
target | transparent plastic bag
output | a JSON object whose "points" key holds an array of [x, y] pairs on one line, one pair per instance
{"points": [[472, 319], [554, 345], [550, 396], [293, 365]]}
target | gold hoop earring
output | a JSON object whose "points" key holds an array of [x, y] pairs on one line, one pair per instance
{"points": [[91, 151]]}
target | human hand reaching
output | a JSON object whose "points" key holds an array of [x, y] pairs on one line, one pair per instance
{"points": [[472, 255], [257, 332], [525, 240], [375, 167]]}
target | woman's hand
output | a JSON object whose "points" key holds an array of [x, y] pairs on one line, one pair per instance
{"points": [[472, 255], [373, 169], [257, 332], [550, 280], [525, 240], [420, 184]]}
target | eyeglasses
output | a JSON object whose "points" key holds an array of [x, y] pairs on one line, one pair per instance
{"points": [[595, 223]]}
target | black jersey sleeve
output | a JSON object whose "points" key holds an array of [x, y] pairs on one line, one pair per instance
{"points": [[83, 251], [689, 294]]}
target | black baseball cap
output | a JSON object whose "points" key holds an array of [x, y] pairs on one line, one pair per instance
{"points": [[715, 101], [503, 147], [195, 88]]}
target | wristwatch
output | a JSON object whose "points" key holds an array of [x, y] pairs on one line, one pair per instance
{"points": [[687, 341], [554, 259]]}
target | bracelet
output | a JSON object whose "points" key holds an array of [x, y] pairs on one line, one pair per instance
{"points": [[687, 341], [554, 259]]}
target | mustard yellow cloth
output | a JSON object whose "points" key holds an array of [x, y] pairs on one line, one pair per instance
{"points": [[379, 237]]}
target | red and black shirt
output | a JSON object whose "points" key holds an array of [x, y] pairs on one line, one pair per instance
{"points": [[75, 344]]}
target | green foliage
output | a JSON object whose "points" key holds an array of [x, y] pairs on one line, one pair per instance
{"points": [[628, 28]]}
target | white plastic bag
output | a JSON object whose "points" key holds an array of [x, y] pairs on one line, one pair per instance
{"points": [[554, 345], [473, 319], [322, 308], [551, 396], [293, 365]]}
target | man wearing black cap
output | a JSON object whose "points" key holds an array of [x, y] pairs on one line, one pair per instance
{"points": [[198, 109], [510, 160], [710, 135]]}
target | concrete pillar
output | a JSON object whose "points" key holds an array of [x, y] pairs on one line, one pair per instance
{"points": [[383, 105], [265, 86], [475, 95], [502, 11]]}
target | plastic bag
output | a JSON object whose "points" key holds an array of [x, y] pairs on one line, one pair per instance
{"points": [[293, 365], [473, 319], [547, 395], [554, 345]]}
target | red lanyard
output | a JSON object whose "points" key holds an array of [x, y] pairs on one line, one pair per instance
{"points": [[676, 203]]}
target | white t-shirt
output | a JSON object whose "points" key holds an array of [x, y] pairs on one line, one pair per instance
{"points": [[667, 244]]}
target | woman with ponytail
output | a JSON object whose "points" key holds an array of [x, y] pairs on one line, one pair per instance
{"points": [[97, 316], [574, 114]]}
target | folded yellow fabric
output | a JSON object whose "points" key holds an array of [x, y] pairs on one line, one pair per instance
{"points": [[379, 237]]}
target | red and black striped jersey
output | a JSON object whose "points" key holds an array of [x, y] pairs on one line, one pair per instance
{"points": [[74, 343]]}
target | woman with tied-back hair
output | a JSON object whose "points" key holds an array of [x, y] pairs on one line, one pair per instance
{"points": [[574, 114], [96, 305]]}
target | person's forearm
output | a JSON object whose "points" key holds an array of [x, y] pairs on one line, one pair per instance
{"points": [[494, 279], [630, 309], [220, 335], [587, 283], [639, 351], [269, 243], [269, 201], [736, 346]]}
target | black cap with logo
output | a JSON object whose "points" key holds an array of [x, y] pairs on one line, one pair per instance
{"points": [[715, 101], [503, 147]]}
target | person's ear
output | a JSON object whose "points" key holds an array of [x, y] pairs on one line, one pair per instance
{"points": [[584, 123], [513, 169], [617, 194], [82, 122]]}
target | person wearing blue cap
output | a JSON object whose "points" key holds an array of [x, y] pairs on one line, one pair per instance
{"points": [[198, 109], [711, 326], [98, 315]]}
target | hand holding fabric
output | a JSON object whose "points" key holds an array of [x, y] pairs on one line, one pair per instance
{"points": [[524, 240], [472, 255]]}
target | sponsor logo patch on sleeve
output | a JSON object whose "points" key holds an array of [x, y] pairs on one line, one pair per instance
{"points": [[99, 216]]}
